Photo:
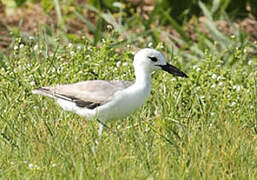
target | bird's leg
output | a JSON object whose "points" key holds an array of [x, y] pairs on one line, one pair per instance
{"points": [[100, 131]]}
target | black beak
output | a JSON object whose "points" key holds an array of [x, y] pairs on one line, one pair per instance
{"points": [[173, 70]]}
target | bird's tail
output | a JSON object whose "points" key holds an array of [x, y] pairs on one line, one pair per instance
{"points": [[43, 91]]}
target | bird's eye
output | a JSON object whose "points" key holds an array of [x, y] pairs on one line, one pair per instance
{"points": [[154, 59]]}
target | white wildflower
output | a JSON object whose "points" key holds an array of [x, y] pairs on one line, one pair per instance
{"points": [[118, 64], [15, 47], [198, 69], [150, 44], [233, 104], [79, 47], [30, 165], [35, 47], [202, 97], [213, 85], [161, 46], [72, 53], [214, 76], [109, 27], [21, 46], [125, 64], [237, 87], [69, 45], [220, 78], [220, 84], [117, 4], [250, 62], [32, 83], [31, 37]]}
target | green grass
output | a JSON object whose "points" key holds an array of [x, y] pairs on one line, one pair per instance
{"points": [[204, 127]]}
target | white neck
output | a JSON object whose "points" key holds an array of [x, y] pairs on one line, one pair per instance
{"points": [[143, 79]]}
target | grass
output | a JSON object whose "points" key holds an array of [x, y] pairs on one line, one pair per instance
{"points": [[201, 127]]}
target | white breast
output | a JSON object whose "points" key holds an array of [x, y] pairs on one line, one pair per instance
{"points": [[124, 103]]}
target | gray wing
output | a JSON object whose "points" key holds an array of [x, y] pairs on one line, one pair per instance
{"points": [[89, 94]]}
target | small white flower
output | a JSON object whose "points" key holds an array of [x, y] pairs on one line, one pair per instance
{"points": [[54, 165], [15, 47], [214, 76], [30, 165], [219, 78], [233, 104], [150, 44], [202, 97], [117, 4], [125, 64], [118, 64], [237, 87], [69, 45], [212, 113], [220, 84], [35, 47], [31, 37], [79, 47], [72, 53], [21, 46], [32, 83], [213, 85], [198, 69], [161, 46], [250, 62], [109, 27]]}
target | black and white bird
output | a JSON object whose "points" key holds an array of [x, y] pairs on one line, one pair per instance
{"points": [[108, 100]]}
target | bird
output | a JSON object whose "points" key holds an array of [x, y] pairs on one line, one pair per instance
{"points": [[106, 100]]}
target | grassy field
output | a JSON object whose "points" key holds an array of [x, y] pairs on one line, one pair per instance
{"points": [[201, 127]]}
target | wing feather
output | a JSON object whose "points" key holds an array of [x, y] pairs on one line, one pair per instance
{"points": [[90, 94]]}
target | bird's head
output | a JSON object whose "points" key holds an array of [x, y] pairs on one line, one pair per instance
{"points": [[149, 60]]}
